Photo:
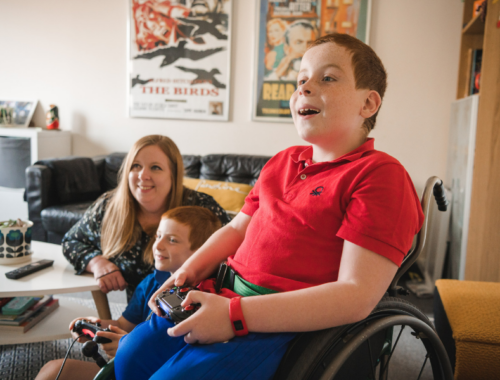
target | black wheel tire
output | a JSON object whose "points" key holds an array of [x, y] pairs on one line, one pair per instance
{"points": [[307, 352]]}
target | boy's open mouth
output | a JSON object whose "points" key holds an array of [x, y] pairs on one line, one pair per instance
{"points": [[308, 111]]}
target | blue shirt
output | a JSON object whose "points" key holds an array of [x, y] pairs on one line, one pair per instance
{"points": [[137, 310]]}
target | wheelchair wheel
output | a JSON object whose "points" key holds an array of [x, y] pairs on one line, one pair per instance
{"points": [[367, 349]]}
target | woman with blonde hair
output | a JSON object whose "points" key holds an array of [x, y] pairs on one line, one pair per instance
{"points": [[113, 240]]}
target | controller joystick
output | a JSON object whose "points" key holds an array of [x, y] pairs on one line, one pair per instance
{"points": [[91, 350], [169, 303], [89, 329]]}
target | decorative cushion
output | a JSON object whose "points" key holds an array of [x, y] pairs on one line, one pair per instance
{"points": [[230, 195]]}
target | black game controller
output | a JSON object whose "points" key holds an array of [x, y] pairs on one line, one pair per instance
{"points": [[89, 329], [169, 303]]}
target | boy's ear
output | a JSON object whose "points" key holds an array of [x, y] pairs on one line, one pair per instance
{"points": [[371, 105]]}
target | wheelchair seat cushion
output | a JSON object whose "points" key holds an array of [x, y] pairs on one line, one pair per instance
{"points": [[473, 312]]}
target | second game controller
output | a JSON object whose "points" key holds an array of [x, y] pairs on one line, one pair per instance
{"points": [[89, 329], [169, 303]]}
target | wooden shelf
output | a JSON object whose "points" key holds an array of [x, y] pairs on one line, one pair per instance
{"points": [[474, 26], [483, 240]]}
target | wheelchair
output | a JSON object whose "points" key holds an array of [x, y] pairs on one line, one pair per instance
{"points": [[365, 350]]}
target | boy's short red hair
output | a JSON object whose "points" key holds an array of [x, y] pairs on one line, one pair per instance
{"points": [[369, 72], [202, 222]]}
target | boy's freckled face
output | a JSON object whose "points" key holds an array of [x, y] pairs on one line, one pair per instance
{"points": [[326, 105], [172, 246]]}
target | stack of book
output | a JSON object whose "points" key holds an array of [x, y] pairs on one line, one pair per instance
{"points": [[39, 308]]}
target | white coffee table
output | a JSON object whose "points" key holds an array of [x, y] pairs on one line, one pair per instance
{"points": [[58, 279]]}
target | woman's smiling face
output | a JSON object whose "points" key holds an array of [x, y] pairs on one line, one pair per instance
{"points": [[150, 179]]}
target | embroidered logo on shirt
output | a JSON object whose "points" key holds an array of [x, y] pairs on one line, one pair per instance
{"points": [[317, 191]]}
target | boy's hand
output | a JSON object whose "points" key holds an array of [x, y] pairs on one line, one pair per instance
{"points": [[72, 324], [115, 336], [179, 278], [210, 324]]}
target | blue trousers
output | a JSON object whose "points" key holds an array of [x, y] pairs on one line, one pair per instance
{"points": [[148, 352]]}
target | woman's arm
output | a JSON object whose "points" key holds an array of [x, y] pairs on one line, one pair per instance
{"points": [[364, 276], [82, 248], [222, 244]]}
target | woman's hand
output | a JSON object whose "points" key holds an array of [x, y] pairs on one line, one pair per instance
{"points": [[107, 274], [182, 276], [115, 336], [72, 324], [210, 324]]}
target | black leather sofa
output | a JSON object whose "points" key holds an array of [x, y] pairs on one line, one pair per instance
{"points": [[59, 191]]}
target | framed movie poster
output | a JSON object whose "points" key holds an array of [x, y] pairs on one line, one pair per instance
{"points": [[284, 28], [179, 59]]}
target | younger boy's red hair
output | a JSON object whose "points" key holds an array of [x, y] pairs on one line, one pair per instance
{"points": [[369, 72], [201, 221]]}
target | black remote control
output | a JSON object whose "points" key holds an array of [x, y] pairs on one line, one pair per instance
{"points": [[28, 269]]}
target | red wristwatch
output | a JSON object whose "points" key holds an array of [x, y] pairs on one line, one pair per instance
{"points": [[236, 316]]}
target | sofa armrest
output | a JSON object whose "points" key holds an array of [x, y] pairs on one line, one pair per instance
{"points": [[38, 195]]}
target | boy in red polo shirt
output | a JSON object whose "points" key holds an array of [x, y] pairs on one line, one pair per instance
{"points": [[316, 245]]}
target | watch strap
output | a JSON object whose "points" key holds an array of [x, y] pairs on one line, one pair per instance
{"points": [[236, 316]]}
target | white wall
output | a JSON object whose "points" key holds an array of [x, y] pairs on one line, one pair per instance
{"points": [[73, 54]]}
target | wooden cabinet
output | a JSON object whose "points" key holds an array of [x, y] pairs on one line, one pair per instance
{"points": [[483, 243]]}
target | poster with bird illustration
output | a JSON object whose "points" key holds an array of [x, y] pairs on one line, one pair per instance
{"points": [[179, 61]]}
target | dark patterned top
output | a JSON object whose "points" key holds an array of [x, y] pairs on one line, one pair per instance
{"points": [[83, 241]]}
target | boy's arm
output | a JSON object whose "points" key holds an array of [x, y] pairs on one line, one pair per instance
{"points": [[124, 324], [364, 276], [222, 244]]}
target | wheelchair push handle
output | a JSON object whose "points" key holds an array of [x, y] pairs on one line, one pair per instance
{"points": [[440, 196]]}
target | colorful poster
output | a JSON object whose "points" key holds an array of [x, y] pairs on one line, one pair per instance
{"points": [[284, 29], [179, 59]]}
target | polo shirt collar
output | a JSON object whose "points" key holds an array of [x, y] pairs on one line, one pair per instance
{"points": [[307, 153], [161, 277]]}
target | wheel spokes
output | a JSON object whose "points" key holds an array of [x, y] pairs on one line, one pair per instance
{"points": [[392, 351]]}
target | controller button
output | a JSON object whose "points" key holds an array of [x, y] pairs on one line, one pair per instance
{"points": [[189, 307], [172, 291], [184, 290]]}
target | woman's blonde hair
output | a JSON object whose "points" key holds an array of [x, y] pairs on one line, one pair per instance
{"points": [[120, 228]]}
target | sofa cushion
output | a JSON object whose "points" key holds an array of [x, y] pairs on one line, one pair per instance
{"points": [[61, 218], [112, 165], [232, 167], [74, 179], [229, 195]]}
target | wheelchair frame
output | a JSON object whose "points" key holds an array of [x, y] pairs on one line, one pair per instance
{"points": [[322, 354], [308, 355]]}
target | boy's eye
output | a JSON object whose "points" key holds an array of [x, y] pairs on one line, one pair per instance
{"points": [[172, 240], [301, 82], [328, 79]]}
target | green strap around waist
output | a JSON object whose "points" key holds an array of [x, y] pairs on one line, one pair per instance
{"points": [[245, 288]]}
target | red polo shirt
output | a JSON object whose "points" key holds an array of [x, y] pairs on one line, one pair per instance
{"points": [[303, 211]]}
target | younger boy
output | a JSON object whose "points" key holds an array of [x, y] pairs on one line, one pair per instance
{"points": [[181, 232], [325, 228]]}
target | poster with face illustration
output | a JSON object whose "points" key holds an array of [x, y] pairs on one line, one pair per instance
{"points": [[179, 59], [284, 30]]}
